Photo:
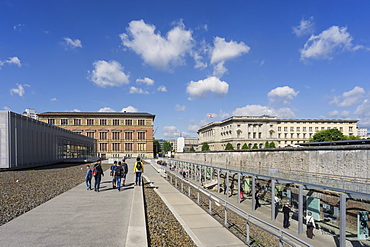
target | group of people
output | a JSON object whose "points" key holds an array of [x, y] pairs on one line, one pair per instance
{"points": [[118, 171]]}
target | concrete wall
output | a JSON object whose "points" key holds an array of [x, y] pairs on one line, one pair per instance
{"points": [[342, 161]]}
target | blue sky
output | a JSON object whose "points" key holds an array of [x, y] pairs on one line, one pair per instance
{"points": [[188, 62]]}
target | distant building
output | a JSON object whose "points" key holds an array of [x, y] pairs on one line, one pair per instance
{"points": [[26, 142], [362, 132], [118, 134], [184, 144], [256, 130], [31, 113]]}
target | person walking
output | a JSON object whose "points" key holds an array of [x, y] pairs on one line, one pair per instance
{"points": [[98, 171], [118, 173], [257, 198], [88, 177], [112, 169], [286, 212], [138, 170], [125, 168], [310, 222]]}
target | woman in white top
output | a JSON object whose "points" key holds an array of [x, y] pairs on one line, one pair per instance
{"points": [[310, 222]]}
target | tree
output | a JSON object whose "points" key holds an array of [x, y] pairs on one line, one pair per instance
{"points": [[192, 149], [272, 145], [267, 144], [157, 146], [229, 146], [328, 135], [205, 147], [245, 146], [352, 137], [255, 146], [167, 147]]}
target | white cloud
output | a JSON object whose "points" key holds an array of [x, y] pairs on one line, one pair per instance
{"points": [[71, 44], [349, 98], [333, 114], [134, 90], [76, 110], [162, 88], [282, 95], [19, 90], [172, 132], [363, 113], [193, 128], [258, 110], [108, 74], [5, 108], [223, 51], [180, 107], [146, 81], [11, 60], [199, 89], [157, 51], [106, 109], [323, 46], [18, 27], [53, 99], [305, 27], [129, 109]]}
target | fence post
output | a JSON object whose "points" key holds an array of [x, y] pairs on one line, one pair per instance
{"points": [[225, 223], [210, 204]]}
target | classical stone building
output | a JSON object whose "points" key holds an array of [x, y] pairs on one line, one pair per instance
{"points": [[251, 130], [118, 134]]}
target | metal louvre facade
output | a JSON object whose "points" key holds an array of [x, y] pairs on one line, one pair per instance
{"points": [[25, 142]]}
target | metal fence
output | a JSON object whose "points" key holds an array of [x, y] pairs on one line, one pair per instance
{"points": [[248, 228]]}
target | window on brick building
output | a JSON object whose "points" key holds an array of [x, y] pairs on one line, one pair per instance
{"points": [[141, 146], [116, 135], [76, 121], [115, 121], [140, 122], [128, 146], [51, 121], [90, 134], [64, 121], [141, 135], [116, 146], [90, 121], [103, 135], [128, 122], [103, 121], [128, 135], [103, 146]]}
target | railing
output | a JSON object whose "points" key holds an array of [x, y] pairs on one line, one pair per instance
{"points": [[248, 228]]}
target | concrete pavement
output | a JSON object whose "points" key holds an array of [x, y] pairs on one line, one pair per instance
{"points": [[83, 218], [201, 227]]}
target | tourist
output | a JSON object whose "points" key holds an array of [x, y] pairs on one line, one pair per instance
{"points": [[98, 173], [125, 168], [286, 212], [112, 169], [257, 198], [118, 173], [88, 177], [138, 170], [241, 193], [232, 189], [310, 222]]}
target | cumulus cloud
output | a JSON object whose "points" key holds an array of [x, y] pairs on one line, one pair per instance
{"points": [[108, 74], [325, 45], [19, 90], [363, 113], [53, 99], [349, 98], [337, 114], [106, 109], [282, 95], [258, 110], [172, 132], [72, 44], [193, 128], [134, 90], [180, 107], [146, 81], [199, 89], [160, 52], [224, 51], [162, 88], [129, 109], [11, 60], [305, 27]]}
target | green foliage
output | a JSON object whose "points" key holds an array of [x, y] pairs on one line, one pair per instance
{"points": [[157, 145], [229, 146], [267, 144], [255, 146], [272, 145], [245, 146], [167, 147], [328, 135], [192, 149], [205, 147], [352, 137]]}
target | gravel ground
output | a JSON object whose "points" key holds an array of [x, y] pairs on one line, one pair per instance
{"points": [[23, 190]]}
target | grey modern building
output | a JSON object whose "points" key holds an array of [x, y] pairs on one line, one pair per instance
{"points": [[26, 142]]}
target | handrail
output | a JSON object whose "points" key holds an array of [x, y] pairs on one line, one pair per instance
{"points": [[241, 213]]}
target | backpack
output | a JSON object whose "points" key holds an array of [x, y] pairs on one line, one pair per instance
{"points": [[139, 166], [119, 171], [94, 171]]}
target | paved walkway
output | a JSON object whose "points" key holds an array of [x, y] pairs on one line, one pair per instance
{"points": [[83, 218], [201, 227]]}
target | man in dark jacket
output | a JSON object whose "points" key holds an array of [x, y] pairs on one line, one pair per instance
{"points": [[99, 173]]}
